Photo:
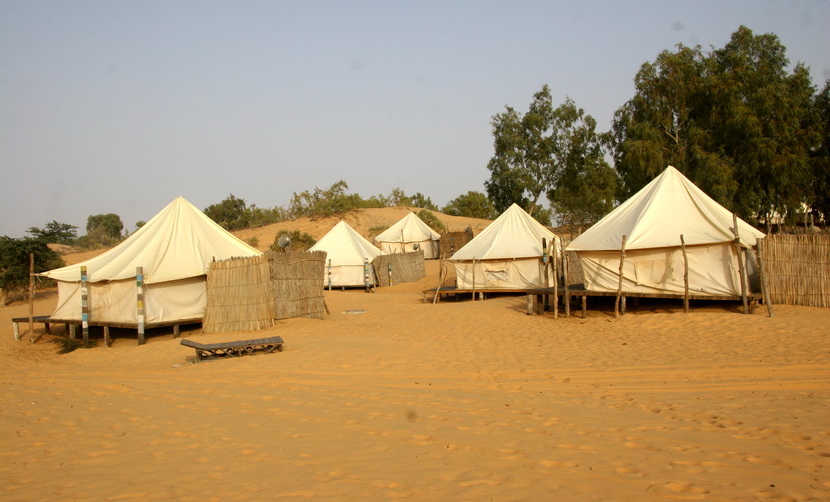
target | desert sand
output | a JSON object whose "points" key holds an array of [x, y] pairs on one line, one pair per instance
{"points": [[390, 397]]}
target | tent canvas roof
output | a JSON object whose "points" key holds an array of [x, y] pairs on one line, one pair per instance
{"points": [[344, 246], [514, 234], [410, 228], [655, 217], [177, 243]]}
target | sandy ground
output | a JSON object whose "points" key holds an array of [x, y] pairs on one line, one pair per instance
{"points": [[468, 401]]}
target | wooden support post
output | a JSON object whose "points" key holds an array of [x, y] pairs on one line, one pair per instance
{"points": [[474, 279], [176, 330], [32, 337], [619, 286], [763, 273], [740, 255], [555, 262], [329, 268], [389, 272], [584, 306], [140, 309], [366, 273], [73, 331], [442, 276], [566, 298], [106, 336], [84, 307], [685, 275], [16, 327]]}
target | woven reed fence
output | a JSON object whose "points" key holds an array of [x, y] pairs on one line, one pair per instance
{"points": [[404, 267], [798, 268], [453, 241], [297, 278], [239, 295], [248, 294]]}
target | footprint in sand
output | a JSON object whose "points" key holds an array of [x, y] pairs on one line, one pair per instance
{"points": [[678, 490]]}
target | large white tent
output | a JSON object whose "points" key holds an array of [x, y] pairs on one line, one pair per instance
{"points": [[652, 221], [175, 249], [506, 255], [347, 252], [410, 233]]}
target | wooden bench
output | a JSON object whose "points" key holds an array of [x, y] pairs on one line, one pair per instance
{"points": [[208, 351]]}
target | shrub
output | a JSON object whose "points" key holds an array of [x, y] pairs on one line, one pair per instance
{"points": [[299, 241]]}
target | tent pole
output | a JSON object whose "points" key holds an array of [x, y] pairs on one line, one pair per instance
{"points": [[84, 307], [763, 272], [555, 263], [140, 313], [685, 275], [619, 287], [32, 337], [739, 254], [566, 298], [474, 279]]}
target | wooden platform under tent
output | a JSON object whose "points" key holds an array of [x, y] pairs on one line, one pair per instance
{"points": [[73, 326], [537, 298]]}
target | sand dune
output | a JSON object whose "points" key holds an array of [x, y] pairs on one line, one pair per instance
{"points": [[454, 401], [393, 398]]}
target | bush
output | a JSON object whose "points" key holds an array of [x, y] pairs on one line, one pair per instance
{"points": [[430, 219], [299, 241], [67, 344], [375, 231], [14, 262]]}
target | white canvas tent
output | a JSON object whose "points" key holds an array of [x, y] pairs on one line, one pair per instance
{"points": [[652, 221], [174, 248], [346, 254], [505, 255], [410, 233]]}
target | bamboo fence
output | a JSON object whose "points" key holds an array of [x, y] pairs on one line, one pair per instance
{"points": [[239, 295], [453, 241], [248, 294], [399, 267], [798, 268], [297, 279]]}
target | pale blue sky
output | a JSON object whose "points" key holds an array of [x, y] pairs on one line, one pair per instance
{"points": [[115, 106]]}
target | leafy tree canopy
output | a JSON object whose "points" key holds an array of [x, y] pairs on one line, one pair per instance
{"points": [[231, 214], [471, 205], [55, 233], [549, 151], [733, 120]]}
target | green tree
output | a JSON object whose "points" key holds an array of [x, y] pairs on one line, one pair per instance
{"points": [[103, 229], [471, 205], [733, 120], [328, 202], [584, 187], [14, 261], [422, 201], [821, 156], [523, 165], [231, 214], [55, 233], [551, 151]]}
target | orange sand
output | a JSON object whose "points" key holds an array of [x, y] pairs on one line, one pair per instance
{"points": [[461, 400]]}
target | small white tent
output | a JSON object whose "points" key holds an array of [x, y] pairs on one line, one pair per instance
{"points": [[346, 254], [410, 233], [652, 221], [507, 254], [174, 249]]}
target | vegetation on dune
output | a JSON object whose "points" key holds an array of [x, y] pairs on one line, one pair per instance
{"points": [[294, 241]]}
